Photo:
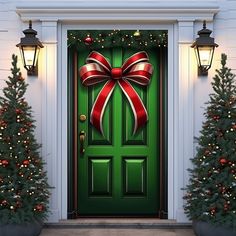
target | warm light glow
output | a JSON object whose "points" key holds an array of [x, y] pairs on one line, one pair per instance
{"points": [[29, 56], [205, 55]]}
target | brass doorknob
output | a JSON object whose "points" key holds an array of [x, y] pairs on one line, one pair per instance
{"points": [[82, 117]]}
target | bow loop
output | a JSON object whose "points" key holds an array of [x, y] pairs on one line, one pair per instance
{"points": [[99, 59], [98, 69], [134, 59], [92, 73]]}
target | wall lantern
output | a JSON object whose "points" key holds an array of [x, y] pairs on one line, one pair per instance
{"points": [[29, 48], [204, 47]]}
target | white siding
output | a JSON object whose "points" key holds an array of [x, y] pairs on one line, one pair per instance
{"points": [[10, 32], [224, 31]]}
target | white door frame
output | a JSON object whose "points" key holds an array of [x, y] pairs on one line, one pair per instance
{"points": [[179, 18]]}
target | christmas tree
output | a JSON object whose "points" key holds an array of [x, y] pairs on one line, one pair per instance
{"points": [[23, 184], [211, 193]]}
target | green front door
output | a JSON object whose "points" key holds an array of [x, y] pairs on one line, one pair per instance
{"points": [[118, 173]]}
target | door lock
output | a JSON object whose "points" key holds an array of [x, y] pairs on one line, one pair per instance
{"points": [[82, 140]]}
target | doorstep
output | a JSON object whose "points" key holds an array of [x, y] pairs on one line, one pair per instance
{"points": [[124, 223]]}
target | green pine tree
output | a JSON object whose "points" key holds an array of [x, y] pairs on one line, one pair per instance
{"points": [[211, 193], [24, 190]]}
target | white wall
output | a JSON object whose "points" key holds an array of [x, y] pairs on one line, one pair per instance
{"points": [[11, 26], [224, 32]]}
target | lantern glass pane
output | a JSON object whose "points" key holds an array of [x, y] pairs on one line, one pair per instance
{"points": [[197, 56], [205, 55], [36, 55], [29, 56]]}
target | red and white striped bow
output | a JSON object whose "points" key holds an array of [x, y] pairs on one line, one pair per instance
{"points": [[136, 68]]}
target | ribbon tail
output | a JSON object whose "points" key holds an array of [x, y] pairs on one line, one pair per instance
{"points": [[139, 110], [100, 103]]}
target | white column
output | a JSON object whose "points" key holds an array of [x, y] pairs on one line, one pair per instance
{"points": [[184, 115], [49, 114]]}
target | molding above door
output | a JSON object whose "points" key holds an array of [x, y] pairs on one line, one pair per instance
{"points": [[128, 11]]}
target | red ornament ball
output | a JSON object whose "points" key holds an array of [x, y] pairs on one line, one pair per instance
{"points": [[18, 111], [88, 40], [25, 162], [29, 124], [222, 189], [226, 207], [39, 207], [213, 211], [3, 123], [4, 202], [22, 130], [223, 161], [4, 162], [216, 117]]}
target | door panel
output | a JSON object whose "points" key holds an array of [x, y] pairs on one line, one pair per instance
{"points": [[135, 176], [118, 174], [100, 176]]}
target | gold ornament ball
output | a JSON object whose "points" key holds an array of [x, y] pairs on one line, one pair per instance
{"points": [[137, 34]]}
